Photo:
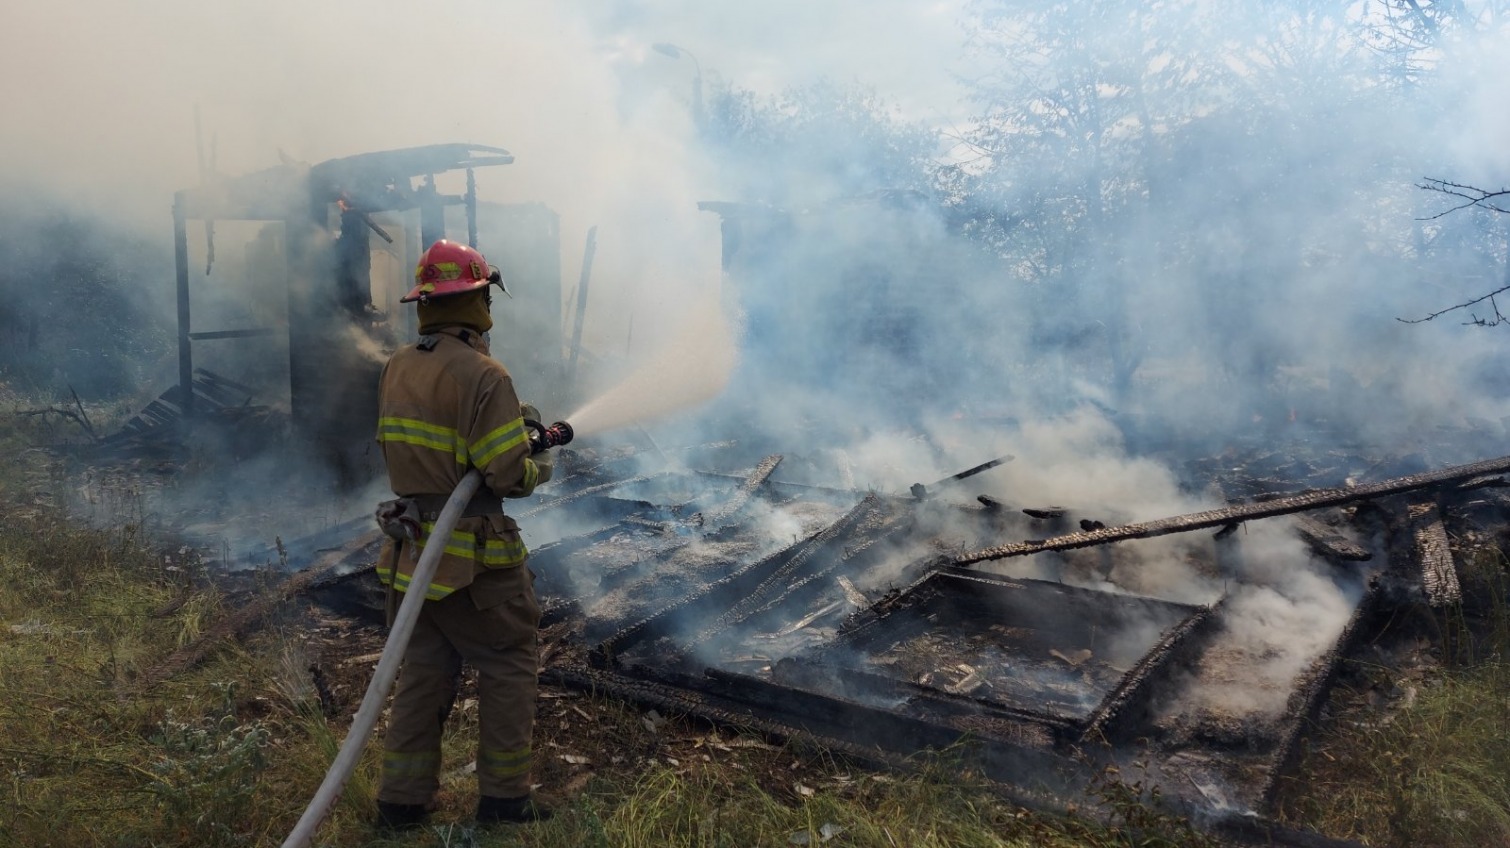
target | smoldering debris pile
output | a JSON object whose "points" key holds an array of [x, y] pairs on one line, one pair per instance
{"points": [[715, 584]]}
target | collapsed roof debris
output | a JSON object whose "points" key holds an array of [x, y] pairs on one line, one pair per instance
{"points": [[848, 619]]}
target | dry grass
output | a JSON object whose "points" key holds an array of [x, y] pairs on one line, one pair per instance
{"points": [[1434, 767]]}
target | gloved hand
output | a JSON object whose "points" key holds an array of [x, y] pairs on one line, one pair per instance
{"points": [[530, 413], [545, 461], [399, 519]]}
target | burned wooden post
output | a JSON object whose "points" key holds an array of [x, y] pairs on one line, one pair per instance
{"points": [[1439, 576], [181, 270]]}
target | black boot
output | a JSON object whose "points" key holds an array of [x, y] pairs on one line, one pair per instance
{"points": [[519, 810], [392, 816]]}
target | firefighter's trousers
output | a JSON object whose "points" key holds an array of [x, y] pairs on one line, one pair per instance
{"points": [[492, 626]]}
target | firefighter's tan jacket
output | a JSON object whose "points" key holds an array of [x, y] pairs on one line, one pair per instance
{"points": [[446, 406]]}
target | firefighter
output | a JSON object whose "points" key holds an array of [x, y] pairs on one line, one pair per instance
{"points": [[447, 406]]}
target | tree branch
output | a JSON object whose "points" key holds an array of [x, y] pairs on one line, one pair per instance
{"points": [[1477, 321], [1471, 195]]}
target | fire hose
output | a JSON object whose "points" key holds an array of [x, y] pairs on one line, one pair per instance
{"points": [[387, 668]]}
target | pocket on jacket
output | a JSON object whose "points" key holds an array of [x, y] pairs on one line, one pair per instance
{"points": [[494, 586]]}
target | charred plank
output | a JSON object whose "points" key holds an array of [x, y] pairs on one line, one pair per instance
{"points": [[1329, 543], [1302, 502], [757, 478]]}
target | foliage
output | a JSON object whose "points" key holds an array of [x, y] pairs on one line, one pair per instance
{"points": [[821, 141], [80, 301], [206, 775]]}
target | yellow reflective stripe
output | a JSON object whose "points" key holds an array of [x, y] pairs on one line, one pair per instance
{"points": [[502, 552], [417, 424], [433, 592], [411, 764], [461, 543], [531, 474], [497, 442], [412, 431], [504, 763]]}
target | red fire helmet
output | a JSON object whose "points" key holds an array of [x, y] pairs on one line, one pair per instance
{"points": [[449, 268]]}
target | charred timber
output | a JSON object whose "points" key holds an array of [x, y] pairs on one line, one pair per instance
{"points": [[719, 595], [592, 490], [757, 478], [786, 488], [1025, 776], [1124, 710], [846, 526], [851, 559], [1439, 575], [1329, 543], [680, 698], [1300, 502], [923, 702], [1306, 701], [730, 594]]}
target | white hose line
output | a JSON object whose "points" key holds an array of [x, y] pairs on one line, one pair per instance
{"points": [[387, 668]]}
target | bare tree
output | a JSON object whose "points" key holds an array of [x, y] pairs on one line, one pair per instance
{"points": [[1470, 197]]}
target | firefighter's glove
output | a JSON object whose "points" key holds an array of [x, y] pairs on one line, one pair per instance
{"points": [[545, 461], [399, 519], [535, 430]]}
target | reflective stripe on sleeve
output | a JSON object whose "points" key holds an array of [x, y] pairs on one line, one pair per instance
{"points": [[498, 442], [531, 475]]}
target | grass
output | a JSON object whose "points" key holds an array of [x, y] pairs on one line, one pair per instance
{"points": [[1435, 770]]}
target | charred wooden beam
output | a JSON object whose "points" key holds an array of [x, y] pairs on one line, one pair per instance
{"points": [[866, 735], [1026, 776], [851, 559], [717, 596], [1122, 714], [211, 335], [1439, 575], [757, 478], [1310, 696], [785, 488], [916, 700], [782, 576], [1300, 502], [1329, 543], [1485, 482], [920, 491], [728, 594], [1051, 513], [591, 490]]}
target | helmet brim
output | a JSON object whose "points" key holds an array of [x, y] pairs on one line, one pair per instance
{"points": [[435, 291]]}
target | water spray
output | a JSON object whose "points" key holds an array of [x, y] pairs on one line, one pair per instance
{"points": [[692, 366]]}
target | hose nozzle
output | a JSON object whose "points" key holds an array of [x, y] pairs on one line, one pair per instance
{"points": [[544, 438]]}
